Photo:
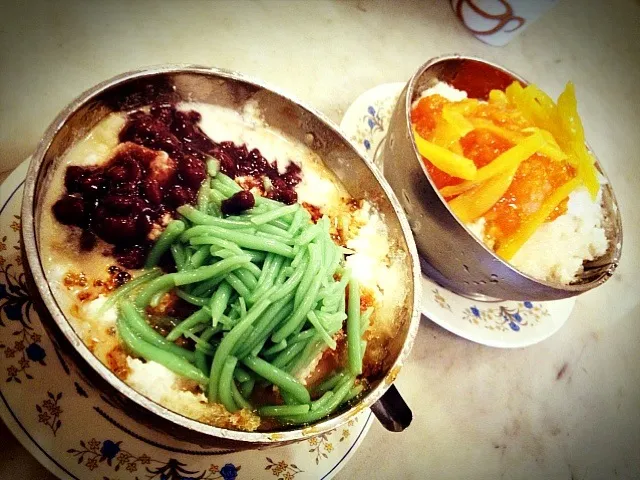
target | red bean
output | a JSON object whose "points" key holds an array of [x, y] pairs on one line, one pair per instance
{"points": [[120, 202], [227, 164], [178, 195], [72, 178], [116, 229], [192, 172], [150, 132], [287, 196], [88, 240], [121, 278], [131, 257], [292, 175], [69, 210], [123, 204], [125, 170], [238, 203], [92, 185], [126, 188], [152, 191], [162, 113], [145, 222]]}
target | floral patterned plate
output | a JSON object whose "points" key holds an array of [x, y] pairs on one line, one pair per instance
{"points": [[503, 324], [76, 434]]}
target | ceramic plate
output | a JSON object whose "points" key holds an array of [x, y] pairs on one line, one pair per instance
{"points": [[73, 432], [504, 324]]}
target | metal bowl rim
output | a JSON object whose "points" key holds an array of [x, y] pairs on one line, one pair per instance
{"points": [[37, 270], [571, 288]]}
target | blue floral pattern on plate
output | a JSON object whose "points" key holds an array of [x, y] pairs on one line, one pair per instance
{"points": [[16, 311], [372, 123], [92, 453], [505, 318], [368, 116]]}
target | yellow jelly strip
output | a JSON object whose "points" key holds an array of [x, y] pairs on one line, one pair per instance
{"points": [[445, 135], [484, 124], [445, 160], [451, 128], [543, 99], [541, 110], [572, 127], [565, 129], [515, 95], [464, 107], [548, 137], [509, 247], [477, 201], [568, 113], [553, 153], [457, 120], [532, 103], [587, 170], [456, 148], [534, 109], [507, 160], [551, 148], [547, 105], [513, 91], [498, 97]]}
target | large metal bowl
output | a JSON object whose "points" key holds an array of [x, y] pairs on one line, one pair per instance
{"points": [[450, 254], [193, 83]]}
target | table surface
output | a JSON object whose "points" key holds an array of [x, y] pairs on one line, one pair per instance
{"points": [[568, 407]]}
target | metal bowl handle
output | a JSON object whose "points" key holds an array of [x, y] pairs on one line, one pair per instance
{"points": [[392, 411]]}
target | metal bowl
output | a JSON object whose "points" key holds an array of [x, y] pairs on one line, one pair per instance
{"points": [[450, 254], [210, 85]]}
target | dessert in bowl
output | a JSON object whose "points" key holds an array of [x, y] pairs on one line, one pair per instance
{"points": [[504, 196], [218, 257]]}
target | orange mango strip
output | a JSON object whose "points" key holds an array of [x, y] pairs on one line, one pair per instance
{"points": [[550, 148], [503, 162], [477, 201], [509, 247], [444, 159]]}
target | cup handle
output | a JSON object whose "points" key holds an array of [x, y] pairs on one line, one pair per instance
{"points": [[392, 411]]}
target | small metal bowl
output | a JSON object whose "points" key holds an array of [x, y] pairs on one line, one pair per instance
{"points": [[450, 254], [193, 83]]}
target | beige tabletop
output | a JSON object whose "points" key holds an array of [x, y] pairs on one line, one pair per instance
{"points": [[568, 407]]}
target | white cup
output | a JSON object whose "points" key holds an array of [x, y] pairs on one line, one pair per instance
{"points": [[496, 22]]}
